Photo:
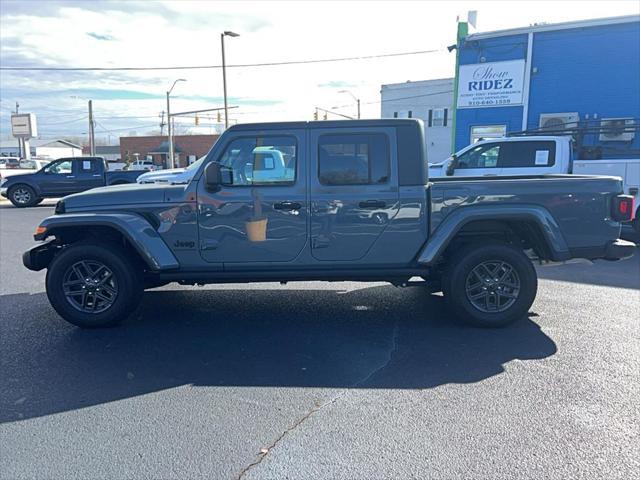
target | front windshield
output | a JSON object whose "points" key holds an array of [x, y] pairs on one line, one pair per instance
{"points": [[196, 164]]}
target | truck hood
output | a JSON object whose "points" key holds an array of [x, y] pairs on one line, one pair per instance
{"points": [[17, 176], [160, 174], [129, 194]]}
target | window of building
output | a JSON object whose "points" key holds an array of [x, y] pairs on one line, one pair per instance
{"points": [[482, 156], [482, 132], [261, 160], [438, 117], [356, 159]]}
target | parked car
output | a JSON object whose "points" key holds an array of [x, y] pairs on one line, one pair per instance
{"points": [[10, 162], [143, 165], [536, 155], [62, 177], [235, 221]]}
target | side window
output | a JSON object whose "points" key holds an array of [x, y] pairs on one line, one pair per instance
{"points": [[482, 156], [88, 166], [355, 159], [61, 166], [528, 154], [261, 160]]}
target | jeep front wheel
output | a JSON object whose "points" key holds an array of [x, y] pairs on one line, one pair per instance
{"points": [[93, 286], [490, 285]]}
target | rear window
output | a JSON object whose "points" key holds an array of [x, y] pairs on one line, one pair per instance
{"points": [[528, 154], [353, 159]]}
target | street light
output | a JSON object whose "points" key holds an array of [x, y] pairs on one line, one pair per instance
{"points": [[226, 33], [169, 132], [354, 97]]}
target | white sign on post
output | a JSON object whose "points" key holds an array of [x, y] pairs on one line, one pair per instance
{"points": [[24, 125], [496, 84]]}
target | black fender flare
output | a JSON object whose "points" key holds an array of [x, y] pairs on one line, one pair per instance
{"points": [[137, 230], [453, 223]]}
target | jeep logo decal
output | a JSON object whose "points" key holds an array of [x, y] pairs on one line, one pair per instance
{"points": [[184, 244]]}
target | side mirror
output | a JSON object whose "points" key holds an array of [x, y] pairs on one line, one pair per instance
{"points": [[215, 175], [453, 164]]}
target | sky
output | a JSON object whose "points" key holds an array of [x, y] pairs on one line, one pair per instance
{"points": [[131, 33]]}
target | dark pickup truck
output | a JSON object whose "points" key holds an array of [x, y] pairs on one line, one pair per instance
{"points": [[61, 177], [345, 200]]}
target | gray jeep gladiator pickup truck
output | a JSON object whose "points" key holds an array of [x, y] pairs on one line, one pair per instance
{"points": [[338, 200]]}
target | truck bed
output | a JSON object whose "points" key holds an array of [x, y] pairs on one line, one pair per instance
{"points": [[577, 203]]}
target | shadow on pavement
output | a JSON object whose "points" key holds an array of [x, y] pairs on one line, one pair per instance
{"points": [[622, 274], [376, 337]]}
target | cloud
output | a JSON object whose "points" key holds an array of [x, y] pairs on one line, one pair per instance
{"points": [[337, 84], [99, 36]]}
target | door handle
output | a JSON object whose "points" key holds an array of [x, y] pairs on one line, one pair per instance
{"points": [[71, 176], [287, 206], [97, 175], [372, 204]]}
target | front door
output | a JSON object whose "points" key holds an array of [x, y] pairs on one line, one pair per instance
{"points": [[58, 178], [262, 215], [480, 161], [354, 190]]}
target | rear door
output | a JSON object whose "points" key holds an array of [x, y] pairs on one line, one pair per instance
{"points": [[528, 157], [89, 173], [262, 216], [354, 190]]}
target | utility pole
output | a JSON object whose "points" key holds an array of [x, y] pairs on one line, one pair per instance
{"points": [[224, 75], [19, 139], [169, 139], [92, 133], [463, 30], [162, 123]]}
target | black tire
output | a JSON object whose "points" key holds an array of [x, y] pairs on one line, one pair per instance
{"points": [[22, 196], [125, 279], [485, 302]]}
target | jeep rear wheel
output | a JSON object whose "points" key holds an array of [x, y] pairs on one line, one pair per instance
{"points": [[22, 196], [93, 285], [490, 285]]}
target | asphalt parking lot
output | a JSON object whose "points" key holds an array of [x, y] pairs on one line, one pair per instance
{"points": [[320, 380]]}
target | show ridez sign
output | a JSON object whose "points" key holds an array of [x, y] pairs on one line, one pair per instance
{"points": [[497, 84]]}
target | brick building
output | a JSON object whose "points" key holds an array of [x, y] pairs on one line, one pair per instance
{"points": [[188, 148]]}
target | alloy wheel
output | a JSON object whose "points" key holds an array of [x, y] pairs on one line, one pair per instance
{"points": [[492, 286], [90, 286]]}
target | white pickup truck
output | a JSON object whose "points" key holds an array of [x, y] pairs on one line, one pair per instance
{"points": [[536, 155]]}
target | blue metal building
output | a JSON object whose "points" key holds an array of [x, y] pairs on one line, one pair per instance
{"points": [[584, 73]]}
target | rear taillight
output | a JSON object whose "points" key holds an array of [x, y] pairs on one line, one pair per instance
{"points": [[622, 208]]}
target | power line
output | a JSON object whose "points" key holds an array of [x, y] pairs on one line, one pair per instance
{"points": [[239, 65]]}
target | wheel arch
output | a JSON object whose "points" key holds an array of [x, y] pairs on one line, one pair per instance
{"points": [[529, 226], [131, 230], [29, 184]]}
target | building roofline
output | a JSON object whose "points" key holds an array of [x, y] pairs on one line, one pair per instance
{"points": [[554, 26], [414, 82]]}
